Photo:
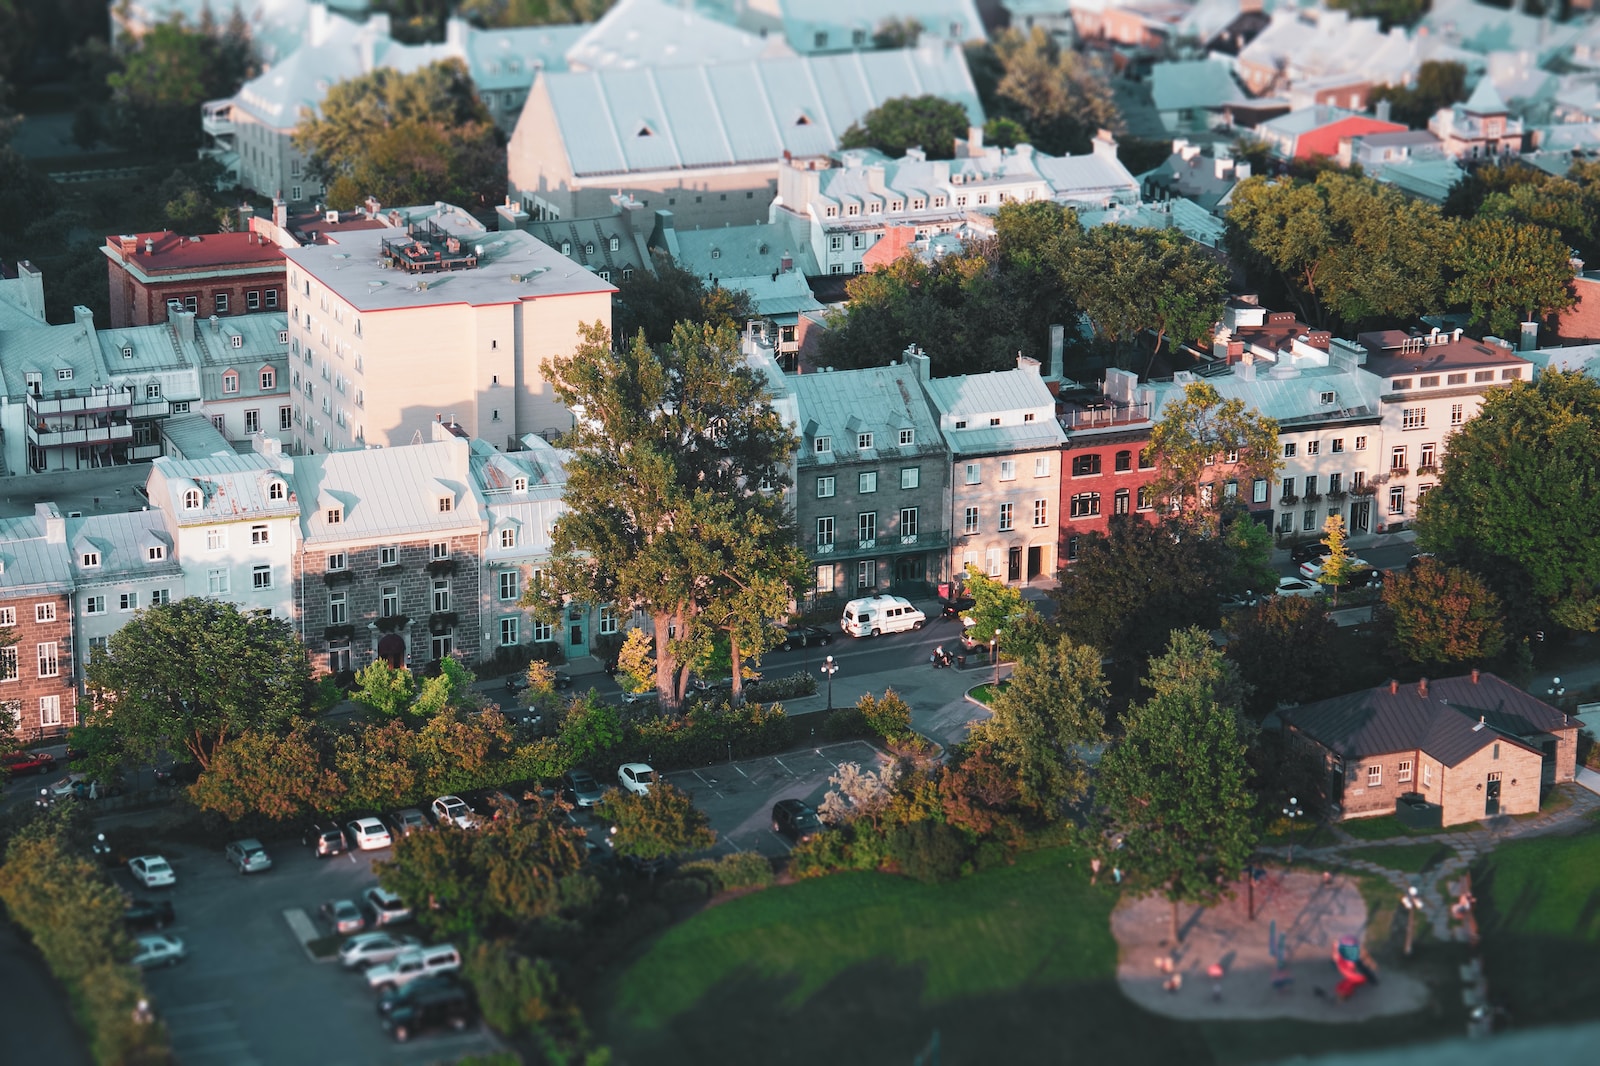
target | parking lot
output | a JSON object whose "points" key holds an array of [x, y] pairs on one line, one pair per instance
{"points": [[738, 796], [248, 992]]}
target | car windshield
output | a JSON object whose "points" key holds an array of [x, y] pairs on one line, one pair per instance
{"points": [[158, 866], [644, 776], [807, 819]]}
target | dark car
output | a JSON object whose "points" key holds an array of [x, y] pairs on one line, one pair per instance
{"points": [[493, 803], [579, 788], [804, 637], [28, 762], [561, 681], [1308, 552], [952, 608], [183, 773], [796, 820], [1362, 577], [433, 1008], [324, 839], [142, 914], [393, 996]]}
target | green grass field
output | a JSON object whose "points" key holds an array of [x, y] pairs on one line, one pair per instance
{"points": [[1407, 858], [1014, 963]]}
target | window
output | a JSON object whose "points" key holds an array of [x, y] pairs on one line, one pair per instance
{"points": [[49, 662], [217, 582], [1430, 381], [867, 574], [159, 597], [1313, 447], [908, 437], [1087, 465], [284, 419], [1397, 499], [1072, 548], [1457, 415], [1008, 470], [259, 534], [543, 632], [261, 577], [1400, 384], [1289, 450], [868, 481], [1119, 502], [1007, 516], [49, 710], [269, 380], [1413, 418], [94, 605], [970, 525], [508, 631], [836, 242], [1374, 776], [1338, 444], [510, 584], [519, 484], [338, 608], [1427, 459], [8, 616], [825, 532], [825, 487], [8, 664], [1147, 461], [91, 559], [1483, 375], [825, 579], [441, 595], [1146, 499], [610, 619], [1513, 374], [910, 477], [191, 499], [863, 442], [1041, 466], [1335, 483], [1308, 521], [1361, 444], [272, 303], [440, 549], [446, 504], [44, 612], [1397, 458], [1402, 773], [295, 192], [336, 561], [1427, 775], [867, 527], [64, 374], [389, 556], [221, 422], [334, 515], [389, 601], [1124, 462], [252, 300], [1085, 505], [823, 445], [908, 522], [1258, 491], [222, 303], [252, 421], [179, 407], [1041, 513], [972, 473], [191, 304]]}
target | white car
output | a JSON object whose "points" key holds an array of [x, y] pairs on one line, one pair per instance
{"points": [[368, 834], [1297, 586], [414, 963], [1312, 569], [367, 949], [152, 871], [636, 777], [453, 810], [158, 950], [383, 907]]}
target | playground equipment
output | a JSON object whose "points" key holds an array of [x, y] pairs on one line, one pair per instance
{"points": [[1355, 967]]}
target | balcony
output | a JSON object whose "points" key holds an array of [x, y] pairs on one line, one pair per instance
{"points": [[1428, 468], [50, 434], [336, 577], [1312, 497], [1107, 414], [390, 623], [216, 118], [95, 401], [428, 250], [336, 632], [1337, 494], [441, 567], [441, 621], [1399, 471], [849, 549], [1288, 500], [1366, 488]]}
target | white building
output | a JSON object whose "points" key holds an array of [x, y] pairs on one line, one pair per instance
{"points": [[121, 563]]}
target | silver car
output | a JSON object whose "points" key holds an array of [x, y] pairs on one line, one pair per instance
{"points": [[248, 855], [158, 950], [383, 907], [368, 949]]}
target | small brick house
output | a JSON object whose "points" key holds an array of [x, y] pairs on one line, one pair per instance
{"points": [[211, 274], [1472, 747]]}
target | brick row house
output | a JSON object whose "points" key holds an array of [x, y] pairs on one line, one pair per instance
{"points": [[221, 274], [1104, 471], [37, 675]]}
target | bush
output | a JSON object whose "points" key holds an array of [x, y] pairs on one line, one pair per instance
{"points": [[928, 851], [742, 869], [845, 723], [711, 733], [791, 686], [516, 993], [888, 716], [823, 854], [683, 890]]}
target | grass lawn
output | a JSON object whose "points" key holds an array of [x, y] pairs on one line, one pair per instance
{"points": [[1539, 914], [983, 693], [1016, 962], [1407, 858], [1391, 828]]}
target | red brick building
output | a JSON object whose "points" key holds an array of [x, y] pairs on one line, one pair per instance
{"points": [[1103, 472], [211, 274], [37, 680]]}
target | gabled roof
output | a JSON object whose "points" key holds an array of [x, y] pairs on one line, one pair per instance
{"points": [[232, 488], [881, 400], [1018, 398], [841, 20], [29, 560], [388, 491], [1449, 719], [123, 540], [1485, 100], [652, 33]]}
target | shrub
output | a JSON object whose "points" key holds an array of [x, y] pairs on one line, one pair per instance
{"points": [[516, 993], [888, 716], [845, 723], [791, 686], [742, 869], [683, 890], [928, 851]]}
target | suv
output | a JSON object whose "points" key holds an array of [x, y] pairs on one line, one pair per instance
{"points": [[324, 839], [248, 855], [383, 907], [417, 962], [796, 820], [431, 1008]]}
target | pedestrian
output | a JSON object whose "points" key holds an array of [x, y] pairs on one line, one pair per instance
{"points": [[1116, 874], [1094, 870]]}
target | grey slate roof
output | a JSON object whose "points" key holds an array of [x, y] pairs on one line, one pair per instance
{"points": [[1444, 723], [882, 400], [28, 560], [387, 491]]}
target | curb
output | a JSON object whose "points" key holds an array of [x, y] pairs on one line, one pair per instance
{"points": [[304, 931]]}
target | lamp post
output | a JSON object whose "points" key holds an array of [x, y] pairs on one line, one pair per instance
{"points": [[1292, 812], [1412, 902], [829, 667], [994, 656]]}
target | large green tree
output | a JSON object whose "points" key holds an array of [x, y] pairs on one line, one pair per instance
{"points": [[1282, 649], [405, 138], [165, 75], [1046, 719], [655, 301], [1518, 500], [1176, 785], [931, 123], [671, 450], [1203, 442], [189, 675], [1439, 84], [262, 773], [1059, 96], [1506, 272], [1440, 617], [659, 824]]}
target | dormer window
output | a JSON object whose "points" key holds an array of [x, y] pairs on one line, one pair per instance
{"points": [[156, 552], [191, 499], [275, 490], [283, 336], [588, 249], [236, 340], [823, 445], [1326, 399], [446, 504], [566, 248], [333, 515], [615, 244], [230, 382], [91, 559], [64, 373], [519, 484], [645, 131], [127, 351], [269, 380], [863, 441], [908, 437]]}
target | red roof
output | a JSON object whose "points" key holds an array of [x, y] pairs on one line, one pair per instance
{"points": [[169, 252], [1324, 140]]}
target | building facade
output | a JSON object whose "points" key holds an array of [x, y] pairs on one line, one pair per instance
{"points": [[122, 563], [1104, 471], [218, 274], [38, 672]]}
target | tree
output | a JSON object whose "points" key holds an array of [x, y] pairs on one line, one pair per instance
{"points": [[1506, 272], [1132, 585], [190, 674], [1035, 242], [1281, 647], [657, 300], [978, 790], [636, 662], [589, 728], [384, 689], [931, 123], [276, 777], [1060, 97], [670, 456], [1439, 84], [1005, 133], [660, 824], [1175, 786], [378, 765], [859, 794], [405, 138], [1440, 617], [1202, 440], [1044, 720], [1518, 500], [1248, 546], [448, 690], [167, 73], [999, 608], [1337, 563]]}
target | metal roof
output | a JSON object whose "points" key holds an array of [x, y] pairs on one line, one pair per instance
{"points": [[881, 400], [192, 436], [387, 492], [29, 560], [650, 33], [1009, 396], [1286, 393], [123, 541], [232, 487]]}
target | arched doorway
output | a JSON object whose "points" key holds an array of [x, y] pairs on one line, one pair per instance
{"points": [[392, 650]]}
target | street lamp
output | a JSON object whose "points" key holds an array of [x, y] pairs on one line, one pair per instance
{"points": [[994, 656], [1292, 812], [829, 667], [1412, 902]]}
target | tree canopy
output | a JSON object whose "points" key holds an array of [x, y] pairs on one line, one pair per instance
{"points": [[1058, 96], [405, 138], [1131, 281], [1439, 84], [188, 675], [660, 824], [1440, 617], [1518, 499], [1281, 647], [1203, 444], [166, 73], [931, 123], [656, 302], [1506, 272]]}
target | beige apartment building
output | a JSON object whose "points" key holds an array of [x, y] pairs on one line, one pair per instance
{"points": [[433, 318]]}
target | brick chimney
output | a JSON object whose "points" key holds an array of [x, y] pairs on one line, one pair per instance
{"points": [[1474, 675], [1422, 688], [1394, 686]]}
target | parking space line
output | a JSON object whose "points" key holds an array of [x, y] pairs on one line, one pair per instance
{"points": [[710, 783], [824, 758], [786, 770], [745, 775]]}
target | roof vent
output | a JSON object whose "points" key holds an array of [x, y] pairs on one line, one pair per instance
{"points": [[1480, 725]]}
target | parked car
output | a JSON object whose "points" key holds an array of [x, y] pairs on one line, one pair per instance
{"points": [[403, 823], [178, 773], [28, 762], [368, 949], [796, 820], [649, 695], [414, 963], [492, 804], [158, 950], [152, 871], [383, 907], [148, 914], [801, 636], [248, 855], [324, 840], [1239, 601], [433, 1008], [453, 810], [343, 916], [1308, 551], [1313, 569], [368, 834], [392, 996], [1297, 586], [579, 788], [1361, 577], [636, 777], [870, 616]]}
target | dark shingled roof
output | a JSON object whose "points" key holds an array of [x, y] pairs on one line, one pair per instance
{"points": [[1444, 723]]}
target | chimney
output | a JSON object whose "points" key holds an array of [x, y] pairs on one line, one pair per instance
{"points": [[1474, 675], [1058, 344], [1422, 688], [1380, 111], [55, 527], [1104, 145], [917, 359], [1530, 337], [280, 213], [1026, 363], [83, 316], [128, 244], [786, 263], [149, 246], [1394, 686], [373, 206]]}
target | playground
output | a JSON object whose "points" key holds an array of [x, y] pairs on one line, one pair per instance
{"points": [[1280, 964]]}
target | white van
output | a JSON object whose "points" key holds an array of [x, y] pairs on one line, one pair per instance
{"points": [[873, 615]]}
